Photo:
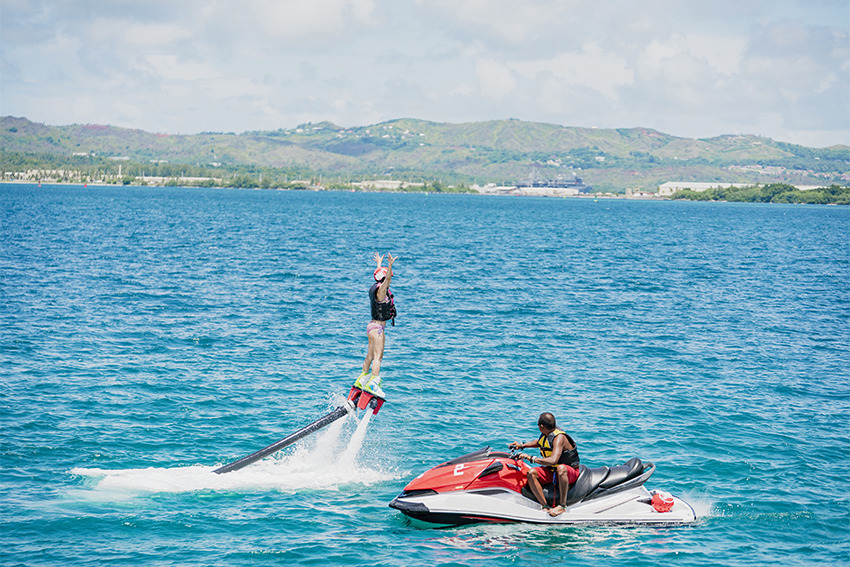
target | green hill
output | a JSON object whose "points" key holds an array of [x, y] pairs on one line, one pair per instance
{"points": [[500, 151]]}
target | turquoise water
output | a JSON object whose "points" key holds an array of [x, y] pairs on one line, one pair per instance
{"points": [[149, 335]]}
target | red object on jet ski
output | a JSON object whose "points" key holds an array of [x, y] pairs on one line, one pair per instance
{"points": [[662, 501]]}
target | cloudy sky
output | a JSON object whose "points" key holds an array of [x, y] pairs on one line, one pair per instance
{"points": [[692, 68]]}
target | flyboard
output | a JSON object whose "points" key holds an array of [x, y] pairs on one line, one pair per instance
{"points": [[357, 399]]}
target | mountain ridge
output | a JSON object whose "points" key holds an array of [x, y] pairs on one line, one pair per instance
{"points": [[488, 151]]}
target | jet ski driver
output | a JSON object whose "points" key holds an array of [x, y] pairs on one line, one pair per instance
{"points": [[559, 459]]}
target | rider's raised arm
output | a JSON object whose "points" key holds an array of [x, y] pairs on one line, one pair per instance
{"points": [[385, 285]]}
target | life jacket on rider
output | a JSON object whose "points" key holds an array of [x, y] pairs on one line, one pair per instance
{"points": [[569, 457], [382, 310]]}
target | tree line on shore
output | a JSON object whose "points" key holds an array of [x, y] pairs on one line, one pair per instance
{"points": [[95, 169], [771, 193], [59, 168]]}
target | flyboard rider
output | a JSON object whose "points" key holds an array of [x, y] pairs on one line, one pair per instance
{"points": [[383, 310], [559, 457]]}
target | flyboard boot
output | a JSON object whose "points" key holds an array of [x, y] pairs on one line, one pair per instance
{"points": [[367, 393], [362, 380], [374, 386]]}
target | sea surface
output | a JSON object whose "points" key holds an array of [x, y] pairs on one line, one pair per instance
{"points": [[148, 335]]}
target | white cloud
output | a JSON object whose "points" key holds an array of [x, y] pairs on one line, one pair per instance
{"points": [[463, 89], [121, 32], [172, 68], [294, 19], [83, 106], [229, 88], [495, 79], [775, 69], [516, 22], [128, 113], [149, 35], [592, 67]]}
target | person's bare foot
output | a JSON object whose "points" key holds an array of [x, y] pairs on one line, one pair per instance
{"points": [[556, 511]]}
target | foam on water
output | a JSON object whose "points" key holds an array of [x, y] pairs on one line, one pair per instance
{"points": [[703, 507], [309, 466]]}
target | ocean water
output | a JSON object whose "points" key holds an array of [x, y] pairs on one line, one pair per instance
{"points": [[152, 334]]}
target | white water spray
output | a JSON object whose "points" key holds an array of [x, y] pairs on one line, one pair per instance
{"points": [[346, 460], [310, 466]]}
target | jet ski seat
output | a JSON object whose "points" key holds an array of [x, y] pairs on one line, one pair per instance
{"points": [[622, 473], [588, 481], [599, 479]]}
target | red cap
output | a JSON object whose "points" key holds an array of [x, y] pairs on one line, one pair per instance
{"points": [[380, 273]]}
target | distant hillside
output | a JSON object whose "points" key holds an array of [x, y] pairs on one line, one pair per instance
{"points": [[500, 151]]}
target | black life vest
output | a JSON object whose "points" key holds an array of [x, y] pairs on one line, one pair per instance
{"points": [[568, 456], [382, 310]]}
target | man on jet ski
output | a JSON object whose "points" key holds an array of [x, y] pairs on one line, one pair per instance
{"points": [[559, 457]]}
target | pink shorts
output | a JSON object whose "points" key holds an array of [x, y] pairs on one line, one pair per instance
{"points": [[547, 476], [373, 326]]}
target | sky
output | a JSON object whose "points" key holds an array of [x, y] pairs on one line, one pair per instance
{"points": [[691, 68]]}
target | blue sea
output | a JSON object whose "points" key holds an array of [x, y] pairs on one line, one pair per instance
{"points": [[150, 335]]}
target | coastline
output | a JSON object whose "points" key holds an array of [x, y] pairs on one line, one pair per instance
{"points": [[317, 188], [641, 196]]}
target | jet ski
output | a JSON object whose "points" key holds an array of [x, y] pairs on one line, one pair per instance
{"points": [[490, 486]]}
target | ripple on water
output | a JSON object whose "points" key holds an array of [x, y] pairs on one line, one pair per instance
{"points": [[153, 334]]}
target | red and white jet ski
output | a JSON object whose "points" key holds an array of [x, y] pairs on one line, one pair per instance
{"points": [[488, 486]]}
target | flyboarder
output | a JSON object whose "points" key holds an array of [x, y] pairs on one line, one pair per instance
{"points": [[366, 394], [383, 310]]}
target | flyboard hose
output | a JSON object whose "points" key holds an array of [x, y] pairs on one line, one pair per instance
{"points": [[288, 440]]}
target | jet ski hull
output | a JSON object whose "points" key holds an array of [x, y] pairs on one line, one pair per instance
{"points": [[501, 505], [491, 487]]}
